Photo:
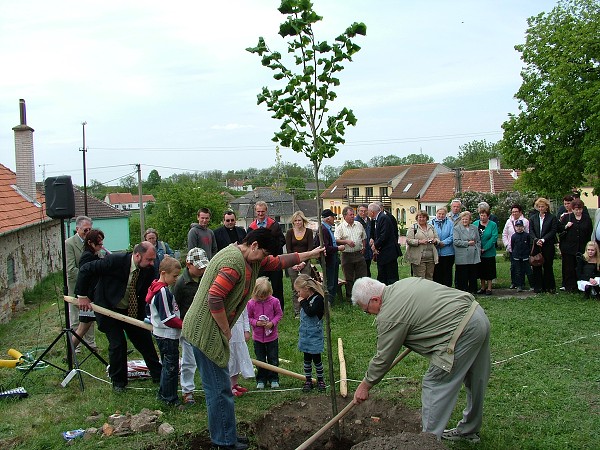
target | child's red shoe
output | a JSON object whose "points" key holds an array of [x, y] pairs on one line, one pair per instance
{"points": [[236, 393]]}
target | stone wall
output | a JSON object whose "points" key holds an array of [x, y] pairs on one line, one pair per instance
{"points": [[35, 252]]}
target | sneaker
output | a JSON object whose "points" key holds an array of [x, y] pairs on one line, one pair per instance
{"points": [[308, 386], [321, 387], [512, 286], [118, 389], [188, 399], [260, 385], [236, 393], [274, 384], [237, 387], [455, 435]]}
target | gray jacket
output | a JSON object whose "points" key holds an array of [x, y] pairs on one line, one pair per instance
{"points": [[463, 252]]}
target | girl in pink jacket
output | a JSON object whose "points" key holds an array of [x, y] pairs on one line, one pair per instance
{"points": [[264, 313]]}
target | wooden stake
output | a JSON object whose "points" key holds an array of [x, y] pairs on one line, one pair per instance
{"points": [[343, 376]]}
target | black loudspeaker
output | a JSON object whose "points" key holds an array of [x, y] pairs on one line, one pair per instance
{"points": [[60, 198]]}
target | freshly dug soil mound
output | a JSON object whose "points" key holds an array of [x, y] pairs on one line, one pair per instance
{"points": [[372, 425]]}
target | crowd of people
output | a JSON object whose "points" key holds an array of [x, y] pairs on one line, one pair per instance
{"points": [[230, 291]]}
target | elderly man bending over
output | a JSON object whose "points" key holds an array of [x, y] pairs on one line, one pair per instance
{"points": [[445, 325]]}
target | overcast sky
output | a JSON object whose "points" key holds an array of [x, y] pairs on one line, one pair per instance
{"points": [[170, 85]]}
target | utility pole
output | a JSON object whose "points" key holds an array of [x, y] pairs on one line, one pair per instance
{"points": [[84, 150], [141, 202]]}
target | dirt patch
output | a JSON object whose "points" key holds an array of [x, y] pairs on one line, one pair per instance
{"points": [[376, 421], [373, 425]]}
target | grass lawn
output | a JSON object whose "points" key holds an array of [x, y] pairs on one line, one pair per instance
{"points": [[543, 392]]}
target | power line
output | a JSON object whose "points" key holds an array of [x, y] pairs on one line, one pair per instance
{"points": [[118, 178], [270, 147]]}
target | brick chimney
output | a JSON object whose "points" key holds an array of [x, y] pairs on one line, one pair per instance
{"points": [[24, 155]]}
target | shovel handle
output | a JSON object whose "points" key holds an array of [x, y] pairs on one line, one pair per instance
{"points": [[343, 412], [326, 427]]}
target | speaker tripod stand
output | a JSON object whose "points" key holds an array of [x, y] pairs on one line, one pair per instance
{"points": [[73, 364]]}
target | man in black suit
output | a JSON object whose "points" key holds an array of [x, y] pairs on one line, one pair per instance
{"points": [[229, 233], [121, 277], [364, 220], [332, 258], [384, 244]]}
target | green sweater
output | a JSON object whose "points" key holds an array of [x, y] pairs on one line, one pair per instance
{"points": [[199, 327]]}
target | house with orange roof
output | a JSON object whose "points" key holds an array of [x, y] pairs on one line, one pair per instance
{"points": [[126, 201], [30, 240], [399, 188], [448, 186]]}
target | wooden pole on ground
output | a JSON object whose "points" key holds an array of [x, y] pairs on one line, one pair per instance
{"points": [[147, 326], [343, 376], [112, 314], [272, 368]]}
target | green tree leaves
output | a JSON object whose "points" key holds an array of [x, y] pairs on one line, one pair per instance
{"points": [[558, 126], [303, 103], [153, 181], [473, 155], [177, 204]]}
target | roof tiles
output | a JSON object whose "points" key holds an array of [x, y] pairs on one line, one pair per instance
{"points": [[16, 211], [443, 187]]}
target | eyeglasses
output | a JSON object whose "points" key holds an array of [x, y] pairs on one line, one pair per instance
{"points": [[366, 310], [85, 230], [229, 220]]}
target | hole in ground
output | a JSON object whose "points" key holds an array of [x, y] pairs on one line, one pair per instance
{"points": [[373, 425]]}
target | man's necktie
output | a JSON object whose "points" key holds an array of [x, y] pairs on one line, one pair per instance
{"points": [[133, 304]]}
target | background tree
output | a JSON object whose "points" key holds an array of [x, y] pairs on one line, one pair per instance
{"points": [[176, 208], [329, 174], [153, 181], [555, 138], [473, 155], [356, 164], [395, 160], [297, 186], [417, 158], [451, 162], [129, 184], [97, 189], [303, 103], [470, 200]]}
